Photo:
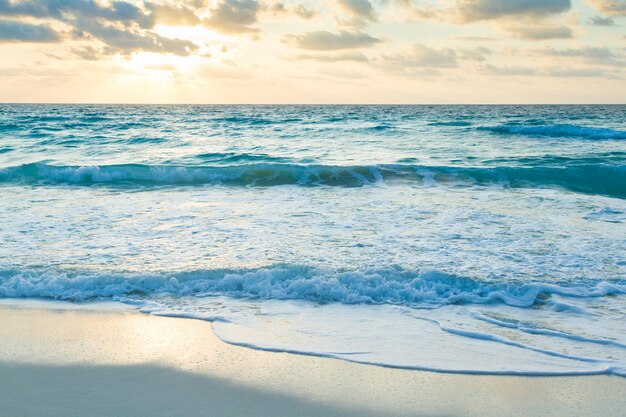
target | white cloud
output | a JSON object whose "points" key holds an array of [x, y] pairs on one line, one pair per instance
{"points": [[327, 41], [539, 32], [610, 7]]}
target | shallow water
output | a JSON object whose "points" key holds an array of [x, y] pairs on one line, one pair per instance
{"points": [[481, 239]]}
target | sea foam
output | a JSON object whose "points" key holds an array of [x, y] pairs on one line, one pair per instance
{"points": [[440, 322], [394, 285]]}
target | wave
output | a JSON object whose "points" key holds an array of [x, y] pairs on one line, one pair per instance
{"points": [[5, 127], [392, 285], [254, 174], [246, 120], [600, 179], [558, 130], [380, 127], [235, 157], [451, 123]]}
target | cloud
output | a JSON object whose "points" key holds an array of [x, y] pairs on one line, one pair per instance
{"points": [[122, 26], [539, 33], [469, 11], [508, 71], [475, 10], [475, 38], [478, 54], [587, 54], [171, 15], [69, 10], [549, 72], [88, 53], [302, 12], [12, 31], [360, 12], [610, 7], [583, 62], [577, 73], [525, 19], [342, 57], [425, 60], [420, 56], [601, 21], [362, 8], [327, 41], [296, 9], [234, 16], [122, 12], [125, 41]]}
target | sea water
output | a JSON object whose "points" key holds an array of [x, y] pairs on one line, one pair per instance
{"points": [[475, 239]]}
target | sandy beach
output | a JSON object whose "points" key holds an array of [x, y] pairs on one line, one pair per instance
{"points": [[59, 359], [263, 208]]}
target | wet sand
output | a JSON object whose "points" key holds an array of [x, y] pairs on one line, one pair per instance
{"points": [[61, 359]]}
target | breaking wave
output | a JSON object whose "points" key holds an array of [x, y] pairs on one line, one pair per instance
{"points": [[602, 179], [392, 285]]}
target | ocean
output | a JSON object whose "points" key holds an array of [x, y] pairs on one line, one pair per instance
{"points": [[469, 239]]}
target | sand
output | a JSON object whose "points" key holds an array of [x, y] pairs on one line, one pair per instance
{"points": [[61, 359]]}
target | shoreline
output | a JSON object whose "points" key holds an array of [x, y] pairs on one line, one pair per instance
{"points": [[62, 359]]}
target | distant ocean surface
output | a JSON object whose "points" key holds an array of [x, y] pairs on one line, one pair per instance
{"points": [[473, 239]]}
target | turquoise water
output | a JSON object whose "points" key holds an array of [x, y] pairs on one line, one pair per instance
{"points": [[481, 239]]}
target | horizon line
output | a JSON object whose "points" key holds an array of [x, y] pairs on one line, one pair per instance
{"points": [[302, 104]]}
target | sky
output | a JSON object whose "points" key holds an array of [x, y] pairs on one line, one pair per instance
{"points": [[304, 51]]}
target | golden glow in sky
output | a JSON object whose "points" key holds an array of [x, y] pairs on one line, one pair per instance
{"points": [[302, 51]]}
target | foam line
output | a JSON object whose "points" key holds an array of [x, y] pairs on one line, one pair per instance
{"points": [[396, 286], [547, 332]]}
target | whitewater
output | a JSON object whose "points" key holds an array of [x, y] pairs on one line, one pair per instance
{"points": [[469, 239]]}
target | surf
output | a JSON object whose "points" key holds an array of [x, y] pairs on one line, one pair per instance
{"points": [[601, 179]]}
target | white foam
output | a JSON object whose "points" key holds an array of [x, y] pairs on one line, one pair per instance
{"points": [[446, 339], [440, 322], [421, 288]]}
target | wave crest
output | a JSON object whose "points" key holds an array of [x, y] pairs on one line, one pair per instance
{"points": [[558, 130], [600, 179], [393, 285]]}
